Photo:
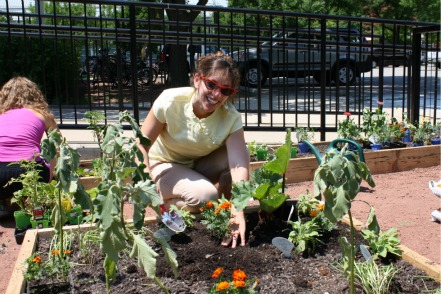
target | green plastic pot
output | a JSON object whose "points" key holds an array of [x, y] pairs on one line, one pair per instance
{"points": [[40, 224], [22, 219], [75, 215]]}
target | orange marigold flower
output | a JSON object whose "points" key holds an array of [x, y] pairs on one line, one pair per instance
{"points": [[321, 206], [209, 204], [67, 252], [222, 286], [216, 211], [217, 272], [55, 252], [201, 209], [239, 275], [239, 284], [347, 113], [400, 124], [37, 259], [313, 213], [225, 205]]}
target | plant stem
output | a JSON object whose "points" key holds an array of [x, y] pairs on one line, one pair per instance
{"points": [[158, 281], [351, 257], [61, 233]]}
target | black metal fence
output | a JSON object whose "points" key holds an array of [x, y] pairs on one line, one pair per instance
{"points": [[297, 69]]}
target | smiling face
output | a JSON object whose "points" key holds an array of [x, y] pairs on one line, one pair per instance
{"points": [[207, 100]]}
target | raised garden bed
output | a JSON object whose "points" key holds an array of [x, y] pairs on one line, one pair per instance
{"points": [[320, 267], [379, 162]]}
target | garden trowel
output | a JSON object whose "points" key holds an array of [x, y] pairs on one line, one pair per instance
{"points": [[173, 220]]}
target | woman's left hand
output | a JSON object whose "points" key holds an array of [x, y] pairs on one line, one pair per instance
{"points": [[238, 227]]}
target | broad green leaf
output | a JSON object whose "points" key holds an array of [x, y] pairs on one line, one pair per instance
{"points": [[271, 204], [145, 255], [170, 255], [241, 192], [372, 223]]}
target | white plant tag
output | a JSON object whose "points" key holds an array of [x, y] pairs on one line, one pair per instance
{"points": [[283, 245], [365, 252]]}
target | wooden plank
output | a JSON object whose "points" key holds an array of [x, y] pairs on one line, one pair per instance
{"points": [[379, 162]]}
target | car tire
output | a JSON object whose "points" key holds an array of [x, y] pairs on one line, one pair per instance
{"points": [[341, 73], [251, 75]]}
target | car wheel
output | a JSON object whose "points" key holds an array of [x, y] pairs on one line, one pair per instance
{"points": [[252, 73], [345, 74]]}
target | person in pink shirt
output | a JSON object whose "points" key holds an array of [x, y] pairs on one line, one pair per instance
{"points": [[24, 118]]}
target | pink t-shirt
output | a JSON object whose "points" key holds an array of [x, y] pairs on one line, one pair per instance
{"points": [[20, 135]]}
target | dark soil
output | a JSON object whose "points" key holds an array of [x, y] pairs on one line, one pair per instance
{"points": [[199, 255]]}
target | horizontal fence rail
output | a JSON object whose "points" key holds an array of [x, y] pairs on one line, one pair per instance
{"points": [[298, 70]]}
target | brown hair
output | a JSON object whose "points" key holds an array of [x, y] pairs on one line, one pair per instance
{"points": [[20, 92], [218, 61]]}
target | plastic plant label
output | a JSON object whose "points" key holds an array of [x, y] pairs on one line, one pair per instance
{"points": [[164, 233], [283, 245], [365, 252]]}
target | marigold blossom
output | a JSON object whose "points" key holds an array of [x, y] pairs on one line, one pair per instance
{"points": [[201, 209], [216, 211], [209, 204], [321, 206], [222, 286], [400, 124], [37, 259], [347, 113], [67, 252], [217, 272], [55, 252], [239, 284], [239, 275], [225, 205], [313, 213]]}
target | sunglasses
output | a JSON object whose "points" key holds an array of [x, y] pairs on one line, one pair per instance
{"points": [[212, 85]]}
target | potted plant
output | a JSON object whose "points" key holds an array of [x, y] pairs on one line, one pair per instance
{"points": [[259, 151], [435, 136], [348, 129], [421, 133], [304, 134]]}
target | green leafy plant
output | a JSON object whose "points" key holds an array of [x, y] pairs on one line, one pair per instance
{"points": [[253, 147], [119, 161], [34, 193], [93, 118], [373, 278], [436, 130], [348, 129], [375, 124], [267, 185], [383, 243], [304, 134], [338, 179], [305, 236], [238, 285], [216, 216], [56, 267]]}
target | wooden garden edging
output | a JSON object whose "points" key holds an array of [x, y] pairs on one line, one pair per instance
{"points": [[379, 162]]}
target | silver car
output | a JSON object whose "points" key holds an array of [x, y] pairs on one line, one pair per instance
{"points": [[298, 53]]}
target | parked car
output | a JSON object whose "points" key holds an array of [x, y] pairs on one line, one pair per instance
{"points": [[298, 53]]}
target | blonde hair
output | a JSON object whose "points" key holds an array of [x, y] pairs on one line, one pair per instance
{"points": [[20, 92]]}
